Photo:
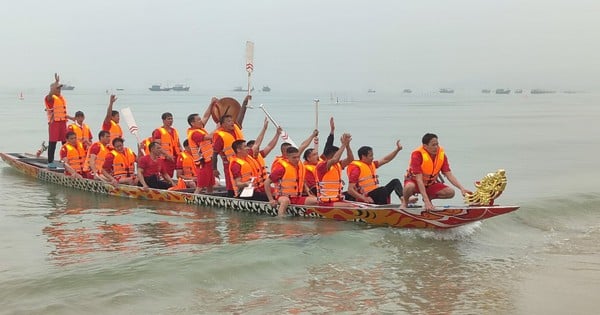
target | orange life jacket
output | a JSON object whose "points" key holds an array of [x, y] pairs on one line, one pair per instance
{"points": [[200, 150], [312, 169], [146, 145], [100, 157], [228, 139], [430, 168], [58, 110], [170, 144], [82, 132], [292, 182], [367, 179], [329, 188], [76, 157], [188, 166], [247, 173], [258, 164], [123, 164], [115, 131]]}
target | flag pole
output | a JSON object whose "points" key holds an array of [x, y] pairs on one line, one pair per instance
{"points": [[249, 62], [316, 141]]}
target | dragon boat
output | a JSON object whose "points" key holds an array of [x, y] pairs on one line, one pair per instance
{"points": [[480, 205]]}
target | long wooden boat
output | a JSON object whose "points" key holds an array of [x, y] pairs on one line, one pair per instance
{"points": [[387, 215]]}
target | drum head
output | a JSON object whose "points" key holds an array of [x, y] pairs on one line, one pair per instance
{"points": [[225, 106]]}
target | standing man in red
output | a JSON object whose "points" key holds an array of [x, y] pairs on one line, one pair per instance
{"points": [[168, 138], [200, 142], [111, 121], [56, 111], [426, 164], [223, 139]]}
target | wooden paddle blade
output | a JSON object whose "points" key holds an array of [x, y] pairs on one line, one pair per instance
{"points": [[225, 106]]}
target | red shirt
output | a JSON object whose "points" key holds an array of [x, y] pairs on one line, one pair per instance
{"points": [[309, 179], [416, 159], [277, 173], [94, 149], [63, 152], [236, 170], [355, 173], [108, 163], [150, 167], [106, 124]]}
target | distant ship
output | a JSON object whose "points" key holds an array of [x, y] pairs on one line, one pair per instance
{"points": [[266, 88], [157, 87], [519, 91], [66, 87], [486, 91], [502, 91], [180, 87], [120, 89], [21, 97], [540, 91], [240, 89], [447, 91], [371, 91], [407, 91]]}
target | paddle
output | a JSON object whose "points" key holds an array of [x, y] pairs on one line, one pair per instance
{"points": [[133, 128], [249, 62], [316, 123], [284, 135]]}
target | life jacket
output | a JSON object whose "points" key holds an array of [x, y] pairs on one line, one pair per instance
{"points": [[100, 157], [82, 132], [188, 166], [367, 179], [247, 173], [292, 182], [123, 164], [200, 150], [329, 187], [228, 139], [76, 157], [115, 131], [58, 110], [311, 169], [170, 144], [146, 145], [258, 163], [430, 168]]}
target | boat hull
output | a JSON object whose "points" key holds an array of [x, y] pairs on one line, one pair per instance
{"points": [[387, 215]]}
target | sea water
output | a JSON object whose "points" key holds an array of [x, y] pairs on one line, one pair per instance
{"points": [[64, 251]]}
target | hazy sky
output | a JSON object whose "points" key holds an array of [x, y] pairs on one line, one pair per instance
{"points": [[302, 45]]}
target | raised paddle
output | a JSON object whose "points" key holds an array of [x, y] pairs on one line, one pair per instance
{"points": [[284, 135], [130, 121], [316, 123], [249, 62]]}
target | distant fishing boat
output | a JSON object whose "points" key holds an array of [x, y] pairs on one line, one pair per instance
{"points": [[371, 91], [180, 87], [449, 91], [120, 89], [240, 89], [157, 87], [66, 87], [21, 96], [540, 91], [486, 91], [407, 91], [519, 91], [502, 91], [266, 88]]}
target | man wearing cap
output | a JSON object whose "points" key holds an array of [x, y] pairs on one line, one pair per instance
{"points": [[56, 111]]}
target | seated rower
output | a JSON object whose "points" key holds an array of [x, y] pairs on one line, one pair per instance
{"points": [[363, 182], [81, 129], [119, 165], [72, 154], [329, 173], [151, 172], [186, 167], [288, 177], [242, 171], [96, 154]]}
